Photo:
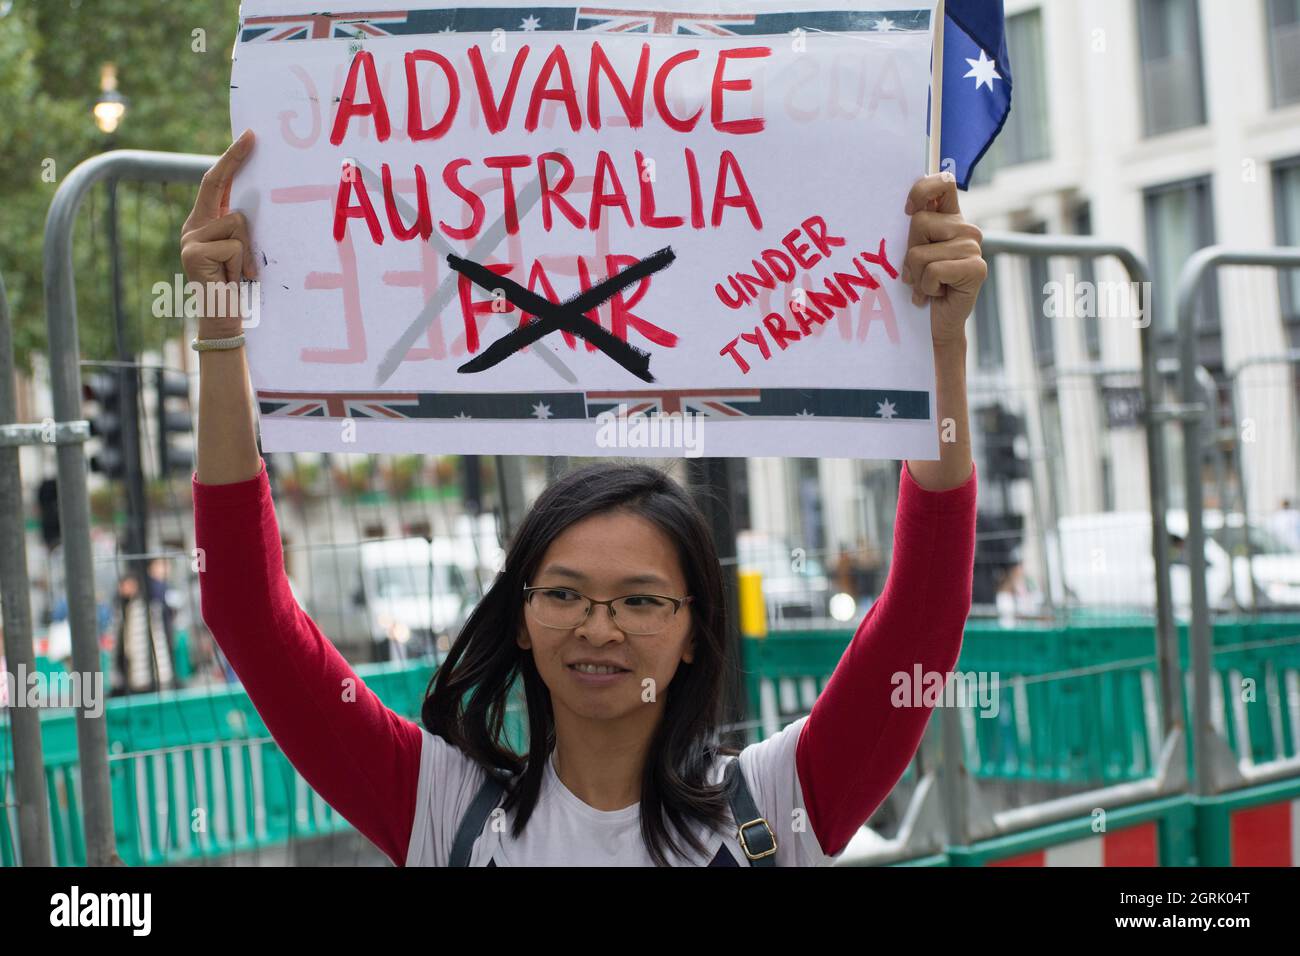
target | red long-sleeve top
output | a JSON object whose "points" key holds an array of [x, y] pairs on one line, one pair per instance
{"points": [[364, 759]]}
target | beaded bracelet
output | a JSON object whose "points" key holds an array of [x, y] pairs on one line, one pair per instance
{"points": [[207, 345]]}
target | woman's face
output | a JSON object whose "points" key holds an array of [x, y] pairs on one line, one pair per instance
{"points": [[608, 556]]}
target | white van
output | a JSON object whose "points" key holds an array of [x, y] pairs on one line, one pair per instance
{"points": [[1275, 564], [1106, 560], [390, 598]]}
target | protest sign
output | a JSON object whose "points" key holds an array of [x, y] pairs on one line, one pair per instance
{"points": [[495, 227]]}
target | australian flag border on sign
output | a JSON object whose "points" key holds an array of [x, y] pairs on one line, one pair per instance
{"points": [[973, 30], [574, 18]]}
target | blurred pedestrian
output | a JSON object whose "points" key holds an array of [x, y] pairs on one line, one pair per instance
{"points": [[143, 653]]}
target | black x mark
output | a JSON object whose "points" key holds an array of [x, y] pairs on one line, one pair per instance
{"points": [[567, 316]]}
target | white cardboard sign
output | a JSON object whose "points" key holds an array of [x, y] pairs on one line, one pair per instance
{"points": [[497, 227]]}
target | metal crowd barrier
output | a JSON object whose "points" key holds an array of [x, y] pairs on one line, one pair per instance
{"points": [[1216, 768], [1094, 712]]}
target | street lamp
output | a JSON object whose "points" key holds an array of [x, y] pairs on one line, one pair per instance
{"points": [[111, 105], [109, 111]]}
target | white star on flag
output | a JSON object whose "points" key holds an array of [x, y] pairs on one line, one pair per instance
{"points": [[984, 70], [447, 30], [530, 24], [885, 409], [805, 414], [463, 416], [884, 25], [542, 410]]}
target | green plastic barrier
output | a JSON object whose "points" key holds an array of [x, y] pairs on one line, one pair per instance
{"points": [[1254, 826], [195, 774], [1247, 827], [1077, 703], [1169, 822]]}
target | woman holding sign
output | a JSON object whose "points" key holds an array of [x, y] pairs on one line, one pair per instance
{"points": [[610, 613]]}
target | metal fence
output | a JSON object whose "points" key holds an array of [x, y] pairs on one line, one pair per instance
{"points": [[361, 532], [27, 792], [1092, 605], [1269, 405]]}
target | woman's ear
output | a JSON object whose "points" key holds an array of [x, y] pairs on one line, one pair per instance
{"points": [[688, 652], [522, 640]]}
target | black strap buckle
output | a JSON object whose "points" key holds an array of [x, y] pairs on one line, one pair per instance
{"points": [[744, 843]]}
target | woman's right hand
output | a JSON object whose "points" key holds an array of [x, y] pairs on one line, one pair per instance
{"points": [[215, 244]]}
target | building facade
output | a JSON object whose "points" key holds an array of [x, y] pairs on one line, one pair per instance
{"points": [[1166, 126]]}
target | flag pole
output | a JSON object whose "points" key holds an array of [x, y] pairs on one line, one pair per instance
{"points": [[936, 90]]}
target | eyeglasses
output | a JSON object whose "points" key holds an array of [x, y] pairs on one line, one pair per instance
{"points": [[565, 608]]}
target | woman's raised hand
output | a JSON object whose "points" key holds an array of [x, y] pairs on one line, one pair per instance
{"points": [[944, 262], [215, 245]]}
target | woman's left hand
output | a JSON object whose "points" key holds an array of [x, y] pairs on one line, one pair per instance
{"points": [[944, 264]]}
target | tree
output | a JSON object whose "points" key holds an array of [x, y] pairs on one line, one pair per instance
{"points": [[173, 66]]}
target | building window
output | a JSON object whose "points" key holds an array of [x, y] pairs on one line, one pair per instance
{"points": [[1286, 198], [808, 488], [988, 327], [1172, 85], [1284, 50], [1082, 219], [1040, 275], [1107, 481], [1180, 220], [1026, 136]]}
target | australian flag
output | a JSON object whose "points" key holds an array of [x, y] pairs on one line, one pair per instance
{"points": [[976, 83]]}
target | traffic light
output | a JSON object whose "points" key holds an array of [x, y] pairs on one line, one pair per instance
{"points": [[105, 390], [47, 504], [998, 538], [1001, 430], [173, 421]]}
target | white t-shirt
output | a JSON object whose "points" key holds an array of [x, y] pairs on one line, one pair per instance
{"points": [[564, 831]]}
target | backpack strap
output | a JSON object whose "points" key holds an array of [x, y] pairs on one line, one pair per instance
{"points": [[471, 824], [755, 834], [757, 839]]}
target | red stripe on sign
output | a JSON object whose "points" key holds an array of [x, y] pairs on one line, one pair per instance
{"points": [[1038, 858], [1261, 836], [1135, 846]]}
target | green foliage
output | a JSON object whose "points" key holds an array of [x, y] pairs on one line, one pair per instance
{"points": [[51, 56]]}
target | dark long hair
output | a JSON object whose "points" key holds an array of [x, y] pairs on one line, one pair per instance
{"points": [[468, 697]]}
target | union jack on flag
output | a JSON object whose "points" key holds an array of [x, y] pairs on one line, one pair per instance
{"points": [[322, 26], [716, 403], [623, 20], [339, 404]]}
